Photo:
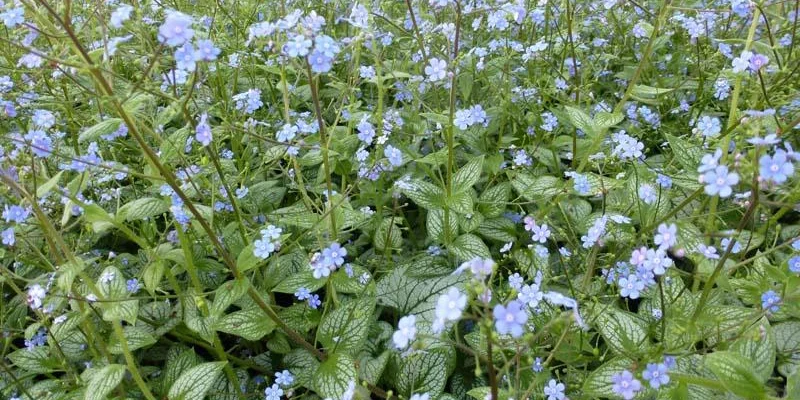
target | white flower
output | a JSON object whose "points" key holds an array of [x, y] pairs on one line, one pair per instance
{"points": [[36, 294], [449, 308], [406, 331]]}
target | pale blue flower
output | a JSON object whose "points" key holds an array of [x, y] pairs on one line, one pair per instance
{"points": [[510, 319], [656, 374], [776, 168], [176, 29], [625, 385]]}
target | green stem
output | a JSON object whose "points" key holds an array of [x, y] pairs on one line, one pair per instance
{"points": [[137, 377]]}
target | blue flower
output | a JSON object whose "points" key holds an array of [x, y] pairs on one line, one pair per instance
{"points": [[16, 213], [777, 168], [262, 248], [656, 374], [203, 131], [770, 301], [719, 181], [284, 378], [132, 285], [664, 181], [630, 287], [537, 365], [648, 193], [320, 62], [510, 319], [297, 46], [709, 127], [436, 69], [794, 264], [206, 51], [554, 390], [625, 385], [314, 301], [8, 237], [13, 17], [737, 247], [333, 255], [120, 15], [581, 184], [185, 57], [394, 155], [249, 101], [302, 293], [41, 144], [273, 392], [176, 29], [667, 236]]}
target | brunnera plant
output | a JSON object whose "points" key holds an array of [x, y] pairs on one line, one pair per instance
{"points": [[402, 200]]}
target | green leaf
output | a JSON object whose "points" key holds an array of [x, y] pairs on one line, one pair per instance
{"points": [[196, 381], [250, 324], [469, 246], [468, 175], [415, 295], [388, 235], [304, 279], [152, 275], [371, 368], [302, 365], [136, 337], [540, 188], [758, 345], [735, 372], [787, 337], [434, 222], [94, 132], [424, 194], [684, 152], [179, 359], [34, 360], [46, 187], [623, 331], [500, 229], [228, 293], [598, 384], [104, 381], [115, 292], [334, 376], [345, 329], [793, 386], [423, 372], [605, 120], [491, 201], [247, 260], [141, 209], [580, 119]]}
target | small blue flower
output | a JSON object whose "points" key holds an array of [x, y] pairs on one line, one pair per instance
{"points": [[667, 236], [630, 287], [314, 301], [394, 155], [648, 193], [176, 29], [708, 126], [8, 237], [770, 301], [510, 319], [203, 131], [302, 293], [581, 184], [554, 390], [656, 374], [320, 62], [794, 264], [777, 168], [625, 385], [284, 378], [16, 213], [333, 255], [664, 181], [132, 285], [273, 392], [537, 365], [206, 51], [719, 181]]}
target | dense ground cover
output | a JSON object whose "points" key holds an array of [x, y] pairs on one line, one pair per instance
{"points": [[427, 199]]}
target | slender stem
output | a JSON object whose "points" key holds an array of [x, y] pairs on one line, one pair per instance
{"points": [[323, 138], [451, 127], [126, 352], [645, 56]]}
